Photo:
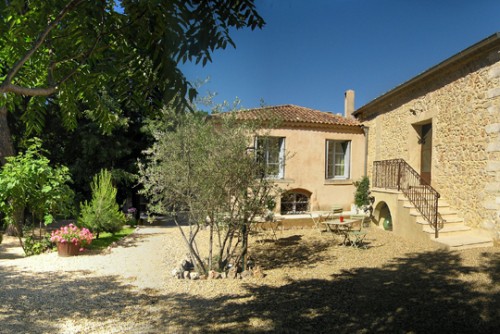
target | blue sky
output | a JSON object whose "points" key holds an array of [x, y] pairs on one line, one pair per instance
{"points": [[311, 51]]}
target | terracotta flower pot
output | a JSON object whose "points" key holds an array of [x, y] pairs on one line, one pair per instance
{"points": [[67, 249]]}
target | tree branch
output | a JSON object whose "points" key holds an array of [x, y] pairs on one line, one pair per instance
{"points": [[17, 66], [10, 88]]}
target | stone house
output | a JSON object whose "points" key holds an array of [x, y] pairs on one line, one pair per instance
{"points": [[313, 156], [443, 127]]}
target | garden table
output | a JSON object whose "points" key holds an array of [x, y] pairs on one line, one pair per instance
{"points": [[337, 227], [268, 227]]}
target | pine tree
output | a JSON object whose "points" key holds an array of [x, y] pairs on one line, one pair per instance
{"points": [[102, 214]]}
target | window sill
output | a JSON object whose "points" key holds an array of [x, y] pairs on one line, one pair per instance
{"points": [[281, 180], [338, 182]]}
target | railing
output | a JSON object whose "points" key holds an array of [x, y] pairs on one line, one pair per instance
{"points": [[397, 174]]}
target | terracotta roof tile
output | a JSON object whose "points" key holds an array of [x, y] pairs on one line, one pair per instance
{"points": [[295, 114]]}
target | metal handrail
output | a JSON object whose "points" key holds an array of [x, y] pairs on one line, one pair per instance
{"points": [[398, 174]]}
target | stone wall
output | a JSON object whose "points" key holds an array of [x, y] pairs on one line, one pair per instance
{"points": [[463, 105]]}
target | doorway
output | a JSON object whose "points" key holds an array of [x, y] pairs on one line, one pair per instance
{"points": [[425, 141]]}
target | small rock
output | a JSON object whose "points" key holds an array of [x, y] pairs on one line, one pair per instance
{"points": [[212, 274], [194, 276], [258, 272], [232, 273], [186, 274], [176, 273], [114, 244], [246, 274]]}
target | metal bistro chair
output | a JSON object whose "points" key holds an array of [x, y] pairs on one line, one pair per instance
{"points": [[336, 211], [356, 235], [317, 219]]}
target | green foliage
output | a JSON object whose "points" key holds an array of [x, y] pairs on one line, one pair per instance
{"points": [[102, 214], [34, 246], [206, 169], [362, 194], [93, 59], [106, 239], [29, 181], [86, 151]]}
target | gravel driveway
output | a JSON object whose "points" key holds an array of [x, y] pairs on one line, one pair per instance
{"points": [[312, 285]]}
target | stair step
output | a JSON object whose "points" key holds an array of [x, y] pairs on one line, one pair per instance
{"points": [[449, 221], [444, 213], [464, 241], [448, 230], [441, 207], [443, 204], [415, 213], [447, 211], [453, 219]]}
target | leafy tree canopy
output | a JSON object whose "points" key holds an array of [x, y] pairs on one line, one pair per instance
{"points": [[107, 55]]}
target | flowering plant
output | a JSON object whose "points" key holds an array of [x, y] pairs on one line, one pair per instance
{"points": [[81, 237], [131, 216]]}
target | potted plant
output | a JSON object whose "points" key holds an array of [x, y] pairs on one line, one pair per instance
{"points": [[362, 194], [362, 198], [131, 220], [71, 240]]}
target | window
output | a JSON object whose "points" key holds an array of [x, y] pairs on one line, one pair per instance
{"points": [[338, 159], [271, 153], [294, 202]]}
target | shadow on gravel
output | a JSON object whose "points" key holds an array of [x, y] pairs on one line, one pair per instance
{"points": [[292, 251], [37, 303], [429, 292]]}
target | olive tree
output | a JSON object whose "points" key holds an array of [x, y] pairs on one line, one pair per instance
{"points": [[207, 173]]}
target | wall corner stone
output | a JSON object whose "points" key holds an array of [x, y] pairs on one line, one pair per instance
{"points": [[493, 166], [493, 147], [493, 92], [494, 72], [492, 128]]}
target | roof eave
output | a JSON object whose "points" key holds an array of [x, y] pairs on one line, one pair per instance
{"points": [[470, 52]]}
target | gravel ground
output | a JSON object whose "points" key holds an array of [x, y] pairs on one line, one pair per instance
{"points": [[312, 284]]}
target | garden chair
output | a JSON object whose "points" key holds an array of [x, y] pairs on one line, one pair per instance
{"points": [[356, 235], [336, 211], [317, 219], [266, 229]]}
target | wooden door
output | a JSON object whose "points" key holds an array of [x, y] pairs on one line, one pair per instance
{"points": [[426, 152]]}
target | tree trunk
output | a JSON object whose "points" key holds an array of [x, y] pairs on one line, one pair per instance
{"points": [[6, 145]]}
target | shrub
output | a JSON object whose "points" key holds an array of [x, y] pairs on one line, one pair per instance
{"points": [[32, 246], [362, 194], [102, 214]]}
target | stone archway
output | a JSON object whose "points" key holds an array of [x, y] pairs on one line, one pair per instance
{"points": [[382, 213]]}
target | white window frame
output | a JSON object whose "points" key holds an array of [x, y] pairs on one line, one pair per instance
{"points": [[331, 152], [262, 145]]}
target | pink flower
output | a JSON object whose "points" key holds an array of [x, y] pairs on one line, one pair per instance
{"points": [[72, 234]]}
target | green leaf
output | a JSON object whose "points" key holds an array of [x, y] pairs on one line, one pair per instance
{"points": [[46, 189]]}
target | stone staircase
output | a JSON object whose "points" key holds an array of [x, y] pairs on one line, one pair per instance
{"points": [[455, 234]]}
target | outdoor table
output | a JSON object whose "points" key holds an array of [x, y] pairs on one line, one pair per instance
{"points": [[337, 227], [264, 227]]}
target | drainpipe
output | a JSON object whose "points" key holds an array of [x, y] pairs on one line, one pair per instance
{"points": [[366, 131]]}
